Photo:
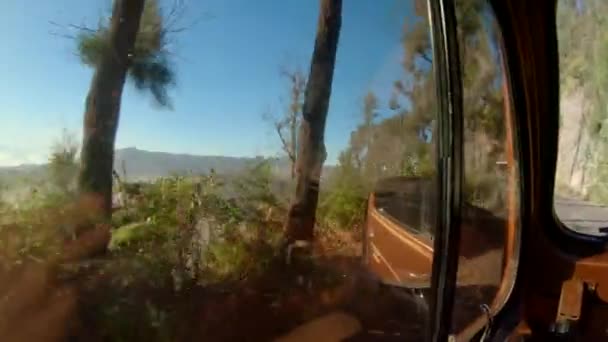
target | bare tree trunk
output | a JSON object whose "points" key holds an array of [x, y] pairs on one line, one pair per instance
{"points": [[579, 138], [311, 146], [103, 104], [577, 147], [590, 152], [294, 131], [293, 171]]}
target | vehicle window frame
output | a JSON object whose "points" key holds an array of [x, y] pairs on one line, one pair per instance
{"points": [[446, 69], [508, 285], [536, 197], [534, 87], [565, 239]]}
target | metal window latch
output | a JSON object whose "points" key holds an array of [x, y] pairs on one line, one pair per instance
{"points": [[569, 308], [489, 323]]}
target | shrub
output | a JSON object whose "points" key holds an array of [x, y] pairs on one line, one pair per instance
{"points": [[343, 203]]}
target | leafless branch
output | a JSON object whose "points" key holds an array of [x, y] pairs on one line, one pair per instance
{"points": [[176, 14], [285, 145], [72, 27], [169, 26], [286, 72], [294, 75], [82, 28], [401, 89], [426, 57], [62, 35]]}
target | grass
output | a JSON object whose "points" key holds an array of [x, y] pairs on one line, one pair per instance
{"points": [[132, 232]]}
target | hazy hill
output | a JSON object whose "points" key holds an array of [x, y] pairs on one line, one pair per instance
{"points": [[141, 165], [147, 165]]}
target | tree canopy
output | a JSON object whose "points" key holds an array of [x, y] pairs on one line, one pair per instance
{"points": [[150, 67]]}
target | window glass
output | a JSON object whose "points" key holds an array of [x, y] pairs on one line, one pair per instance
{"points": [[221, 170], [490, 209], [581, 184], [409, 201], [392, 152]]}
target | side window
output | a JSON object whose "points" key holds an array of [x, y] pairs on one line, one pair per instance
{"points": [[408, 201], [393, 152], [490, 211], [581, 184]]}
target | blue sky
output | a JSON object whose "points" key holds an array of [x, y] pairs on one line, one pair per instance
{"points": [[227, 72]]}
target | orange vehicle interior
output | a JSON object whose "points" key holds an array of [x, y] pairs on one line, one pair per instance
{"points": [[561, 286], [554, 282], [403, 257]]}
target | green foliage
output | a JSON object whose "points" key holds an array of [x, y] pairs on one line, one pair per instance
{"points": [[344, 197], [228, 260], [92, 46], [157, 249], [343, 207], [150, 68], [37, 227], [63, 165], [166, 219], [255, 189], [137, 232]]}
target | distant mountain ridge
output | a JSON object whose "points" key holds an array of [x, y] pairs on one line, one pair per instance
{"points": [[141, 164], [148, 165]]}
